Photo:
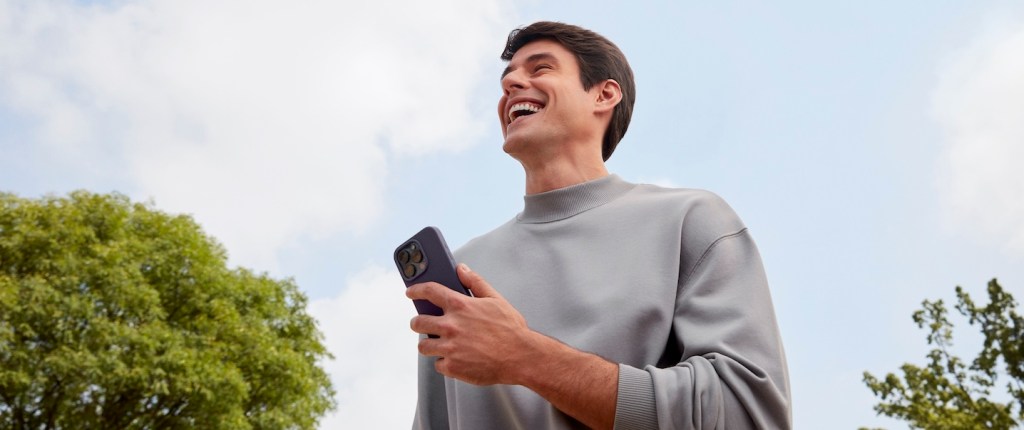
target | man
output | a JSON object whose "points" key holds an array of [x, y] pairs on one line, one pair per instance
{"points": [[603, 303]]}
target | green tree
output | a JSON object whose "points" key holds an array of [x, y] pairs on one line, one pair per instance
{"points": [[948, 393], [116, 315]]}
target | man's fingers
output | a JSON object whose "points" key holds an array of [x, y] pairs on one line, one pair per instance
{"points": [[441, 366], [426, 324], [432, 292], [476, 283]]}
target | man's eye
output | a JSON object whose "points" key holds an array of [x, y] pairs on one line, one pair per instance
{"points": [[541, 67]]}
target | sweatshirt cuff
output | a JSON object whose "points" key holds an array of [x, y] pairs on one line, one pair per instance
{"points": [[635, 407]]}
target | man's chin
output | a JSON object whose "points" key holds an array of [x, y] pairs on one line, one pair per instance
{"points": [[507, 146], [520, 146], [513, 144]]}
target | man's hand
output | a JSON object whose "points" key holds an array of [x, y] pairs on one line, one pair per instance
{"points": [[481, 337], [484, 340]]}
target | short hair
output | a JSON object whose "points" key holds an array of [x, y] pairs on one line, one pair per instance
{"points": [[598, 59]]}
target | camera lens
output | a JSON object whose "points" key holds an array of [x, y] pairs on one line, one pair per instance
{"points": [[417, 256], [410, 270], [403, 256]]}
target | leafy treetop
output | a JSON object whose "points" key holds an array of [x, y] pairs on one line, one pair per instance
{"points": [[948, 393], [116, 315]]}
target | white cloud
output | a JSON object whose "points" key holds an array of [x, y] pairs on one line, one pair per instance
{"points": [[366, 327], [268, 121], [980, 104]]}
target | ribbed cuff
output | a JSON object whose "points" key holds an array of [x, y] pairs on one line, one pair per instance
{"points": [[635, 407]]}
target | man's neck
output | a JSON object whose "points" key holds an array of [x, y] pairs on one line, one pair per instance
{"points": [[554, 175]]}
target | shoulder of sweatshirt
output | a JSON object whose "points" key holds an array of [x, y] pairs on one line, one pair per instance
{"points": [[701, 213]]}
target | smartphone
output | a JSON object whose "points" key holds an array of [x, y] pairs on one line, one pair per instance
{"points": [[425, 258]]}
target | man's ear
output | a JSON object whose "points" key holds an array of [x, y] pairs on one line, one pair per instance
{"points": [[609, 94]]}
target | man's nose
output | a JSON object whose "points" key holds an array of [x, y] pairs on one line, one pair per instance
{"points": [[512, 81]]}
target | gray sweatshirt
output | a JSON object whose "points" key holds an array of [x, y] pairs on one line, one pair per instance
{"points": [[666, 282]]}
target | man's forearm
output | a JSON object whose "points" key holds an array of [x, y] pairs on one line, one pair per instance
{"points": [[583, 385]]}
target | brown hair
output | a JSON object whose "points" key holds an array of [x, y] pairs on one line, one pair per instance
{"points": [[598, 58]]}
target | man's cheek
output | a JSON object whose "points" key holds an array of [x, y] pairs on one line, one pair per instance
{"points": [[501, 114], [501, 105]]}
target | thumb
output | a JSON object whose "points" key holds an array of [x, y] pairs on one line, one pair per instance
{"points": [[476, 283]]}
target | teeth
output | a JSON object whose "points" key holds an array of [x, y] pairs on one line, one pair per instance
{"points": [[519, 107]]}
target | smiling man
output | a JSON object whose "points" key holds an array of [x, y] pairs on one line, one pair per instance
{"points": [[603, 304]]}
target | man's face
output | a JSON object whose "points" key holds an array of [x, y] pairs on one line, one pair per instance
{"points": [[543, 101]]}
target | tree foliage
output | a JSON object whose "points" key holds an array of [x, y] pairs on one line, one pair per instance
{"points": [[116, 315], [948, 393]]}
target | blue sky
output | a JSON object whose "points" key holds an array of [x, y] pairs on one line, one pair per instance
{"points": [[873, 149]]}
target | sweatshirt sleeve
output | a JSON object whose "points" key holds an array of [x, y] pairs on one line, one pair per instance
{"points": [[431, 402], [731, 370]]}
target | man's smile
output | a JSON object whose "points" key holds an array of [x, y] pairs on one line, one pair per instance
{"points": [[520, 110]]}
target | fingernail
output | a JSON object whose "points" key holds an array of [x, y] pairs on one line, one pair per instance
{"points": [[465, 267]]}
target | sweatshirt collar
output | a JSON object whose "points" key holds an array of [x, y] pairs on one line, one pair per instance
{"points": [[566, 202]]}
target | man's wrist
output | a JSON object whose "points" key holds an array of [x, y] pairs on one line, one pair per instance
{"points": [[546, 359], [537, 353]]}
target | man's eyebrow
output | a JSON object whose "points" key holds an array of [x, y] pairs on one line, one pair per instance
{"points": [[540, 56]]}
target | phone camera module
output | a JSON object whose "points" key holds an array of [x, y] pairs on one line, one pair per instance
{"points": [[412, 260]]}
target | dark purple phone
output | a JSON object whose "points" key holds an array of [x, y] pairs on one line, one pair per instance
{"points": [[424, 258]]}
